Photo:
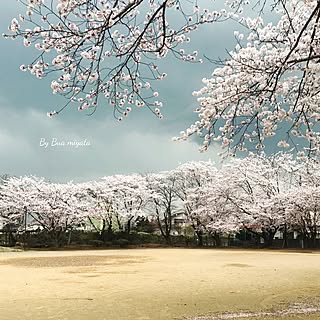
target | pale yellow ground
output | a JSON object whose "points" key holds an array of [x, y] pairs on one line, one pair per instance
{"points": [[156, 284]]}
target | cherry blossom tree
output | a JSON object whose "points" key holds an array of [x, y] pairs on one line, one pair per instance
{"points": [[213, 212], [247, 194], [116, 203], [304, 213], [101, 214], [98, 49], [257, 186], [19, 196], [302, 202], [130, 196], [191, 175], [16, 199], [269, 84], [54, 208], [259, 194], [109, 49], [60, 208], [163, 200]]}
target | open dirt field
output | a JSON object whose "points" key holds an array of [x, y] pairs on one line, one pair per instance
{"points": [[156, 284]]}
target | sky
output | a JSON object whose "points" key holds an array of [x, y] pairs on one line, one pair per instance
{"points": [[142, 143]]}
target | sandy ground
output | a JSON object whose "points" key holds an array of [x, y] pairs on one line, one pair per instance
{"points": [[154, 284]]}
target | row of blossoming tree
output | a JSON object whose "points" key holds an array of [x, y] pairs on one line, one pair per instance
{"points": [[258, 194]]}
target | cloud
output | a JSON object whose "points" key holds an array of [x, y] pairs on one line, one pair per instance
{"points": [[141, 143], [114, 147], [144, 153]]}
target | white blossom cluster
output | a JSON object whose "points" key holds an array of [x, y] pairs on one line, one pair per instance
{"points": [[259, 194], [53, 207], [269, 84], [57, 208], [109, 49]]}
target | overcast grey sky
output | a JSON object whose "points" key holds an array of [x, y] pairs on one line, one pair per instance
{"points": [[141, 143]]}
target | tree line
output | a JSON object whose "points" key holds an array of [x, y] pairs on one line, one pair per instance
{"points": [[257, 194]]}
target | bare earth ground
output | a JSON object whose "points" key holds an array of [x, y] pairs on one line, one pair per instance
{"points": [[157, 284]]}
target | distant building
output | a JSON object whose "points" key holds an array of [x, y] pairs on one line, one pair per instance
{"points": [[2, 223], [179, 222]]}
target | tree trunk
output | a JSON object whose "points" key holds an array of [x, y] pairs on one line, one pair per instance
{"points": [[108, 235], [268, 235], [285, 237], [120, 227], [69, 238], [57, 237], [200, 238], [129, 225], [166, 229], [217, 239]]}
